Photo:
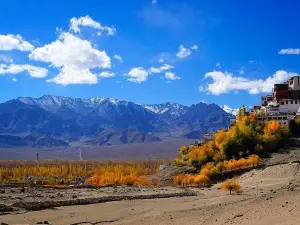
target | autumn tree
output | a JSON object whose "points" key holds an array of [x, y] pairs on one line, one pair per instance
{"points": [[231, 185]]}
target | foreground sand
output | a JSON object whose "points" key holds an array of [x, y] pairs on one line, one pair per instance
{"points": [[270, 196], [190, 210]]}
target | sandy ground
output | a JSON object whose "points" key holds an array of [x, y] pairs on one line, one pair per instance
{"points": [[271, 196], [9, 196]]}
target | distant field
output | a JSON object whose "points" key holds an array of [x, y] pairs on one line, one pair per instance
{"points": [[167, 149]]}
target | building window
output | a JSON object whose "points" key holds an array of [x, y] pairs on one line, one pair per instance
{"points": [[282, 103], [296, 102], [291, 101], [287, 102], [284, 123]]}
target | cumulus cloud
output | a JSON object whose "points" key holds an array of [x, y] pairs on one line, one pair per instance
{"points": [[138, 74], [74, 57], [171, 76], [160, 69], [225, 82], [183, 52], [86, 21], [289, 51], [106, 74], [119, 58], [14, 42], [154, 2], [36, 72], [73, 75], [14, 80]]}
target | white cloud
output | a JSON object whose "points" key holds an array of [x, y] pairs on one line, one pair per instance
{"points": [[225, 82], [106, 74], [289, 51], [154, 2], [171, 76], [14, 42], [36, 72], [118, 57], [195, 47], [73, 75], [14, 80], [161, 60], [154, 70], [183, 52], [160, 69], [6, 59], [74, 57], [138, 75], [86, 21]]}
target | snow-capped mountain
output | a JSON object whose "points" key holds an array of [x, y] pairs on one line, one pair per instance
{"points": [[79, 119], [172, 109], [80, 105], [229, 110], [232, 111]]}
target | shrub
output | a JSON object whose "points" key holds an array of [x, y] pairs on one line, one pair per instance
{"points": [[231, 185]]}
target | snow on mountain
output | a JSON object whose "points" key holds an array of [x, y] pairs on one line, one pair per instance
{"points": [[172, 109], [106, 106], [108, 109], [55, 103], [232, 111], [229, 110]]}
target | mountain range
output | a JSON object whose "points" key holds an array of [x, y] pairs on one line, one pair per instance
{"points": [[61, 121]]}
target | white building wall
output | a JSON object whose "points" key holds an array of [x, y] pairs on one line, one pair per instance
{"points": [[286, 105], [283, 120]]}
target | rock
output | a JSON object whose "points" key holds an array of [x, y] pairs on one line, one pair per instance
{"points": [[2, 223], [2, 191], [46, 222], [74, 196]]}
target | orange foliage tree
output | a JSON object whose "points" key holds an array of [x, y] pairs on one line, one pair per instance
{"points": [[231, 185], [233, 149]]}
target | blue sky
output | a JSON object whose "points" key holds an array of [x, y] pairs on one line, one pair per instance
{"points": [[148, 51]]}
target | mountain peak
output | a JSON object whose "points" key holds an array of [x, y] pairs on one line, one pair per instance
{"points": [[97, 100]]}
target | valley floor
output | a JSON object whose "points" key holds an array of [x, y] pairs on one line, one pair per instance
{"points": [[270, 196]]}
